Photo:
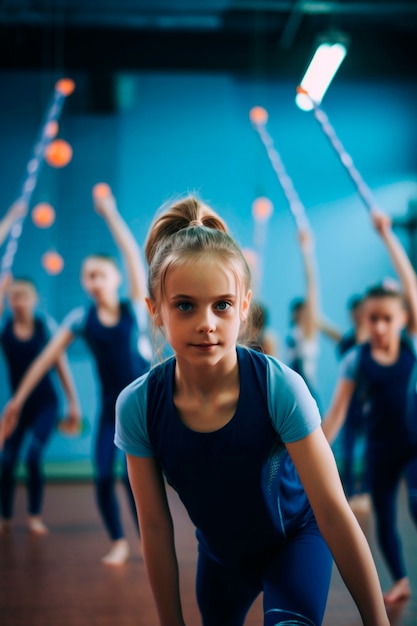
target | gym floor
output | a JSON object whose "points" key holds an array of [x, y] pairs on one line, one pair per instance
{"points": [[58, 579]]}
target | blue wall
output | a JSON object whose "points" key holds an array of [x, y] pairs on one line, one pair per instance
{"points": [[173, 133]]}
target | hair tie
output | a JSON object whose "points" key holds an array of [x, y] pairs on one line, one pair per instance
{"points": [[196, 223]]}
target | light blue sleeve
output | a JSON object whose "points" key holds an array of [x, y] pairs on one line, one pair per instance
{"points": [[51, 325], [75, 320], [131, 433], [348, 367], [293, 410]]}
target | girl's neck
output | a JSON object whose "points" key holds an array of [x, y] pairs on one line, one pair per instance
{"points": [[206, 401], [108, 311], [207, 381], [109, 302], [23, 326], [387, 355]]}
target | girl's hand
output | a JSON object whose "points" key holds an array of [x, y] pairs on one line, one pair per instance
{"points": [[382, 222], [104, 201], [9, 420], [305, 238]]}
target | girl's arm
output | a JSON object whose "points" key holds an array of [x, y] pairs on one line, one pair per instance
{"points": [[316, 466], [5, 283], [330, 331], [401, 264], [310, 324], [17, 209], [157, 536], [335, 416], [125, 241], [39, 367], [67, 382]]}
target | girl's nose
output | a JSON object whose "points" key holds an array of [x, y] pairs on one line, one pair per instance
{"points": [[207, 322]]}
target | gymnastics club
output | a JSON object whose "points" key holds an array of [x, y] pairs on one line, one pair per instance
{"points": [[347, 161], [259, 117], [63, 88]]}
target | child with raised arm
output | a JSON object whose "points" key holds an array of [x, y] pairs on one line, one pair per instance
{"points": [[237, 434], [306, 322], [115, 331], [385, 367], [24, 332]]}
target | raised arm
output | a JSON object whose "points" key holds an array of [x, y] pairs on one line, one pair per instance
{"points": [[310, 323], [37, 370], [106, 207], [401, 263], [15, 211], [157, 536], [318, 472]]}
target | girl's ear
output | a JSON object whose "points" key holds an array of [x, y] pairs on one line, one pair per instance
{"points": [[155, 317], [244, 311]]}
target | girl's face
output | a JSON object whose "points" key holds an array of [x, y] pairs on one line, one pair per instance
{"points": [[22, 298], [385, 318], [100, 278], [201, 311]]}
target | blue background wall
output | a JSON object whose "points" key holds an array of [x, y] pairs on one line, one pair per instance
{"points": [[173, 133]]}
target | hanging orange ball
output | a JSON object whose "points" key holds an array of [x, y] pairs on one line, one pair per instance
{"points": [[258, 115], [43, 215], [101, 190], [52, 262], [65, 86], [58, 153], [262, 209]]}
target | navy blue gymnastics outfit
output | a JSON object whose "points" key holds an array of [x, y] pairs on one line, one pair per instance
{"points": [[255, 528], [391, 438], [39, 415], [118, 362]]}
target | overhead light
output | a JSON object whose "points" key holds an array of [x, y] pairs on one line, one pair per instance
{"points": [[330, 52]]}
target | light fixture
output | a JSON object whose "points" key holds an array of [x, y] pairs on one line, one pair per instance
{"points": [[330, 52]]}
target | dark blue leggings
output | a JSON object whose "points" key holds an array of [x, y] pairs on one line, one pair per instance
{"points": [[39, 422], [294, 581], [387, 468], [105, 479]]}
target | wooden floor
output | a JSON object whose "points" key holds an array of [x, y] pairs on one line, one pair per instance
{"points": [[58, 579]]}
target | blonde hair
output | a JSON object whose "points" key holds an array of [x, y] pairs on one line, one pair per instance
{"points": [[187, 229]]}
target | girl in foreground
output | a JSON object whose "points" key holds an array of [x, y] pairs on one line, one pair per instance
{"points": [[237, 435]]}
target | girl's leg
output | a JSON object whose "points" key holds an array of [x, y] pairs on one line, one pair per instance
{"points": [[384, 478], [7, 471], [44, 421], [297, 581], [411, 479], [225, 594], [105, 456]]}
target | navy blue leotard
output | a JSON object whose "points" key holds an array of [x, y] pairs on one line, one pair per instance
{"points": [[118, 359], [255, 528]]}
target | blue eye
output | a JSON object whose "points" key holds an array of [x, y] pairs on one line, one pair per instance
{"points": [[184, 306], [223, 306]]}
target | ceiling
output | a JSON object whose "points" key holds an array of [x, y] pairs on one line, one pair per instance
{"points": [[255, 37]]}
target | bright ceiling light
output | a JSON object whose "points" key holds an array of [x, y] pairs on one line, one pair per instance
{"points": [[321, 70]]}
